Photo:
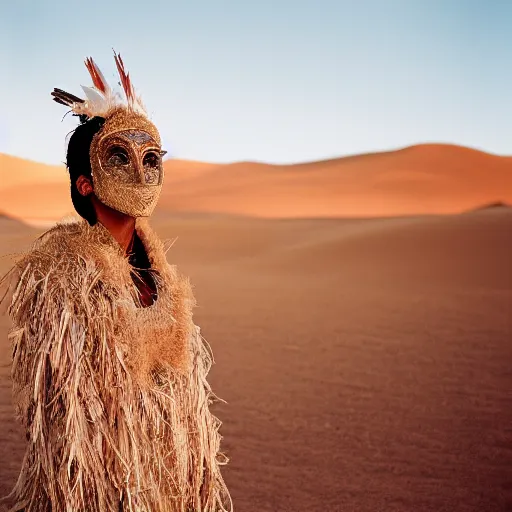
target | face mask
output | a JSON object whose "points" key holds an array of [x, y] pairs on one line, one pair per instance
{"points": [[126, 161]]}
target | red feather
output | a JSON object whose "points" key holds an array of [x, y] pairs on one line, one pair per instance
{"points": [[125, 79], [97, 78]]}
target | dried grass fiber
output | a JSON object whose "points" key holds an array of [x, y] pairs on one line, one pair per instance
{"points": [[114, 397]]}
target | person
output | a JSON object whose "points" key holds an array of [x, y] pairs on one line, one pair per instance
{"points": [[109, 371]]}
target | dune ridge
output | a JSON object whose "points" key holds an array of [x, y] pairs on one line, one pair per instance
{"points": [[421, 179]]}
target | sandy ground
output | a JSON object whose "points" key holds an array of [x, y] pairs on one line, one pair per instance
{"points": [[366, 363]]}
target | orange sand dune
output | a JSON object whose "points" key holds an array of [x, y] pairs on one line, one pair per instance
{"points": [[365, 362], [16, 171], [38, 201], [415, 180], [429, 178], [177, 171], [40, 194]]}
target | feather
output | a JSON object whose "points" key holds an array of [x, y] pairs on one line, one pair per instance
{"points": [[97, 103], [65, 98], [93, 96], [97, 76], [58, 100], [125, 79], [101, 99], [139, 106]]}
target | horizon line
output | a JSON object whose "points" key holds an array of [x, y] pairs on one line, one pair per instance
{"points": [[300, 162]]}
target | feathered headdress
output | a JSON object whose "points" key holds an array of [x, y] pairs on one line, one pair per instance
{"points": [[101, 99]]}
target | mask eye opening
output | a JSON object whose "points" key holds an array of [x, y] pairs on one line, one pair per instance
{"points": [[152, 160], [117, 155]]}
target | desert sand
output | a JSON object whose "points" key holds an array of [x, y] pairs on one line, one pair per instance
{"points": [[365, 361], [422, 179]]}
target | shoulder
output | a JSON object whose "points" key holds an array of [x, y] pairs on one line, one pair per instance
{"points": [[66, 240], [69, 246], [63, 262], [46, 253], [58, 243], [46, 290]]}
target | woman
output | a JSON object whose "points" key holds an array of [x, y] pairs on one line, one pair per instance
{"points": [[109, 369]]}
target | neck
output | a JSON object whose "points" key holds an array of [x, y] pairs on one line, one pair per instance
{"points": [[120, 225]]}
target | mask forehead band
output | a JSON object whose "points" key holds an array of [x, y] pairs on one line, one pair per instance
{"points": [[136, 135]]}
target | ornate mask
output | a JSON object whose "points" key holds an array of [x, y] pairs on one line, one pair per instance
{"points": [[126, 154]]}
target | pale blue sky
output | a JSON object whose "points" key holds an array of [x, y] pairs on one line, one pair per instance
{"points": [[277, 81]]}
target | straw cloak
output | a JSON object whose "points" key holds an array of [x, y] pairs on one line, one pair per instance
{"points": [[113, 396]]}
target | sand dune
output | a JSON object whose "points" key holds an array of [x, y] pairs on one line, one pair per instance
{"points": [[366, 363], [16, 171], [416, 180], [39, 193], [421, 179]]}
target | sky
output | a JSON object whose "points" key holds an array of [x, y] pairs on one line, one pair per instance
{"points": [[274, 81]]}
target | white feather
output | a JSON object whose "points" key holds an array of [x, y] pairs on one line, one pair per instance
{"points": [[138, 106], [93, 95]]}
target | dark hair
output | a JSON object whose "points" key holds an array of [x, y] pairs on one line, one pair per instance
{"points": [[78, 163]]}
